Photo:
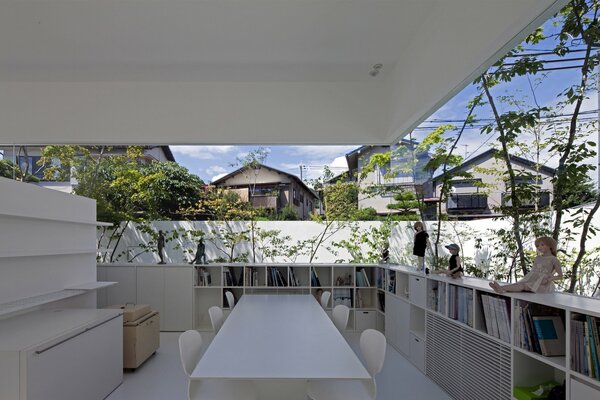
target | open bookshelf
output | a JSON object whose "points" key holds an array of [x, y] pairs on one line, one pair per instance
{"points": [[469, 340]]}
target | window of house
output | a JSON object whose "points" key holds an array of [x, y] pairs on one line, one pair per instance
{"points": [[32, 168]]}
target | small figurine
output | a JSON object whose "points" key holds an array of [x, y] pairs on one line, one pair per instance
{"points": [[546, 269], [200, 257], [385, 253], [160, 244], [455, 269], [421, 243]]}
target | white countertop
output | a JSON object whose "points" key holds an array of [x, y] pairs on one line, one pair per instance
{"points": [[279, 337], [37, 327]]}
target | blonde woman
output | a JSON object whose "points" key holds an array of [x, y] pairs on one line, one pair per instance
{"points": [[546, 270]]}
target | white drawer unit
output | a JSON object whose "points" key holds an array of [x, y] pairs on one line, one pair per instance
{"points": [[61, 355], [365, 320]]}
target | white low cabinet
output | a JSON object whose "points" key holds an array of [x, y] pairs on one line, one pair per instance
{"points": [[61, 355], [397, 323], [169, 290]]}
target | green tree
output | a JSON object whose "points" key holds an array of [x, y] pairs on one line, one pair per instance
{"points": [[577, 24], [341, 200]]}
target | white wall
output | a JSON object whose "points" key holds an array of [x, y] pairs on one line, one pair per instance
{"points": [[464, 233]]}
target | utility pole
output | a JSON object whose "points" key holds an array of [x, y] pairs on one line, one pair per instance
{"points": [[301, 167], [466, 146]]}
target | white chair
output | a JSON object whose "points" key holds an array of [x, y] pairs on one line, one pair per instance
{"points": [[340, 316], [230, 299], [216, 317], [325, 299], [372, 346], [190, 344]]}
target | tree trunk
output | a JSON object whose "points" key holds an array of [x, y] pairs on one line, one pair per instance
{"points": [[516, 202], [582, 240]]}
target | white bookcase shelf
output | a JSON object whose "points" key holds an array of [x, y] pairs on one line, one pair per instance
{"points": [[30, 302], [457, 331], [44, 252], [472, 346]]}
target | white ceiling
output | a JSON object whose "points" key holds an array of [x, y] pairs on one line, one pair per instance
{"points": [[243, 71]]}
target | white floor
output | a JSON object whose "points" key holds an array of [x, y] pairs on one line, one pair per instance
{"points": [[162, 377]]}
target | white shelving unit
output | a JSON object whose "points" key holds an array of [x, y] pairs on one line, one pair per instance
{"points": [[183, 293], [436, 322], [439, 324], [48, 301]]}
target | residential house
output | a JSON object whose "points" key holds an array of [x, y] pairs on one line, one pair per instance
{"points": [[407, 163], [267, 187], [27, 157], [486, 190]]}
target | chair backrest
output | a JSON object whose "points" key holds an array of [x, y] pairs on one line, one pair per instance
{"points": [[216, 317], [372, 346], [190, 343], [230, 299], [325, 298], [340, 315]]}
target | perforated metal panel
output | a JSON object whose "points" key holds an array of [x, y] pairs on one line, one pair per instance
{"points": [[465, 363]]}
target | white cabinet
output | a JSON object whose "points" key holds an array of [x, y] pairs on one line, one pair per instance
{"points": [[417, 290], [397, 323], [417, 352], [151, 289], [61, 355], [365, 320], [169, 291], [179, 299]]}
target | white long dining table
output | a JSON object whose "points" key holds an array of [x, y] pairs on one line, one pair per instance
{"points": [[279, 341]]}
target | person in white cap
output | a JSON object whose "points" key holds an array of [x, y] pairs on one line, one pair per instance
{"points": [[455, 269]]}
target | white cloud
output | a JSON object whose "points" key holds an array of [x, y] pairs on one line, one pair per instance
{"points": [[215, 169], [202, 152]]}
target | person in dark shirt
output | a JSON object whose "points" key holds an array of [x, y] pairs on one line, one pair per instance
{"points": [[421, 244], [455, 269]]}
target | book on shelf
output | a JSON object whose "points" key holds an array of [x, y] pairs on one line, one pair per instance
{"points": [[496, 313], [293, 280], [365, 278], [461, 304], [227, 277], [362, 279], [314, 278], [392, 282], [550, 333], [359, 299], [381, 298], [585, 345], [594, 344]]}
